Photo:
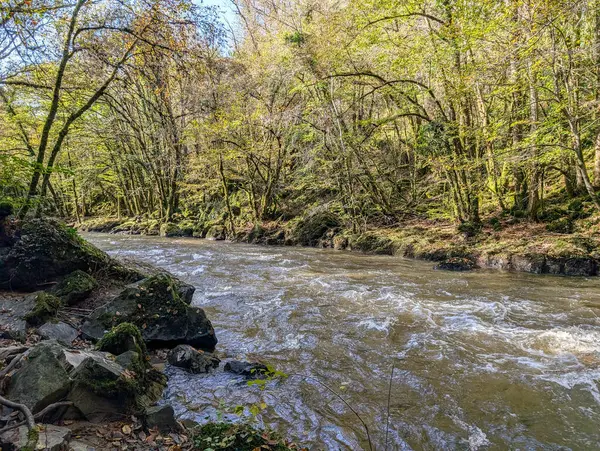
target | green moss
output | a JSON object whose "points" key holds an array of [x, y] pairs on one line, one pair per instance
{"points": [[75, 287], [122, 338], [372, 243], [46, 307], [170, 230], [563, 225]]}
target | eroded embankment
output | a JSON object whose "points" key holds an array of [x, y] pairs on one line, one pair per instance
{"points": [[524, 247]]}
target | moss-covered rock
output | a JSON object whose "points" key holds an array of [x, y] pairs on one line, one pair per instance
{"points": [[75, 287], [372, 243], [46, 307], [157, 308], [563, 225], [311, 229], [123, 338], [170, 229], [217, 233], [48, 250]]}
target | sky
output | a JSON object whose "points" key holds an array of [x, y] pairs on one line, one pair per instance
{"points": [[224, 7]]}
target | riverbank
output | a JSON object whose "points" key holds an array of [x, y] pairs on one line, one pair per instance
{"points": [[84, 340], [505, 245]]}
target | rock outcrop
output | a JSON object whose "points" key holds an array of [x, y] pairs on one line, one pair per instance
{"points": [[159, 307], [46, 251]]}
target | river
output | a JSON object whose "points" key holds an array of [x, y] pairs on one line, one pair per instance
{"points": [[483, 360]]}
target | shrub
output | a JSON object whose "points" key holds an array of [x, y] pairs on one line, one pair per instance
{"points": [[563, 225]]}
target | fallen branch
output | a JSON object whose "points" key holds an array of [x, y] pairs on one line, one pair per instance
{"points": [[38, 416], [14, 362]]}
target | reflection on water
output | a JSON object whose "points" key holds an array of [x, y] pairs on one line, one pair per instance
{"points": [[484, 360]]}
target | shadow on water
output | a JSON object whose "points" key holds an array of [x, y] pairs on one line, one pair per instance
{"points": [[484, 360]]}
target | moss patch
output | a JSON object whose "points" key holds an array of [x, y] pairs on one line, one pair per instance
{"points": [[122, 338], [46, 307]]}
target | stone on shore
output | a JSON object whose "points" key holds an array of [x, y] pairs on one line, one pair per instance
{"points": [[157, 308], [46, 251], [161, 418], [246, 369], [62, 332], [191, 360]]}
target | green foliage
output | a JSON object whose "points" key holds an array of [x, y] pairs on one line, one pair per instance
{"points": [[236, 437], [563, 225]]}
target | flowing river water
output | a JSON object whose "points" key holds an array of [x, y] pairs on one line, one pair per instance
{"points": [[483, 360]]}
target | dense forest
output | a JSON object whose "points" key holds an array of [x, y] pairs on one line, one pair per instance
{"points": [[376, 112]]}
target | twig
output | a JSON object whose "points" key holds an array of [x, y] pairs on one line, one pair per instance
{"points": [[387, 421], [14, 362]]}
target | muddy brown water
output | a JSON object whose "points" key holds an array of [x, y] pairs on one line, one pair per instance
{"points": [[484, 360]]}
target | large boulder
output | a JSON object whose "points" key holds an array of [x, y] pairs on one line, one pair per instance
{"points": [[75, 287], [42, 378], [191, 360], [47, 251], [157, 308]]}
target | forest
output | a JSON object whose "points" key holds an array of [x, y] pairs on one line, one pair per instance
{"points": [[465, 133], [373, 113]]}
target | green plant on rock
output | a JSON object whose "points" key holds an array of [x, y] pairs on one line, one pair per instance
{"points": [[122, 338], [46, 307], [236, 436]]}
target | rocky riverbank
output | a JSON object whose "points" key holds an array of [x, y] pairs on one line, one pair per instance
{"points": [[505, 245], [83, 340]]}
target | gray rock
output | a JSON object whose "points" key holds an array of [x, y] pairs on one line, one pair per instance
{"points": [[51, 438], [193, 361], [12, 317], [61, 332], [42, 379], [580, 266], [246, 369], [78, 445], [528, 263], [162, 418], [99, 386], [159, 311]]}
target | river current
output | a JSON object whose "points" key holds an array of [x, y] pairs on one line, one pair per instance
{"points": [[483, 360]]}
